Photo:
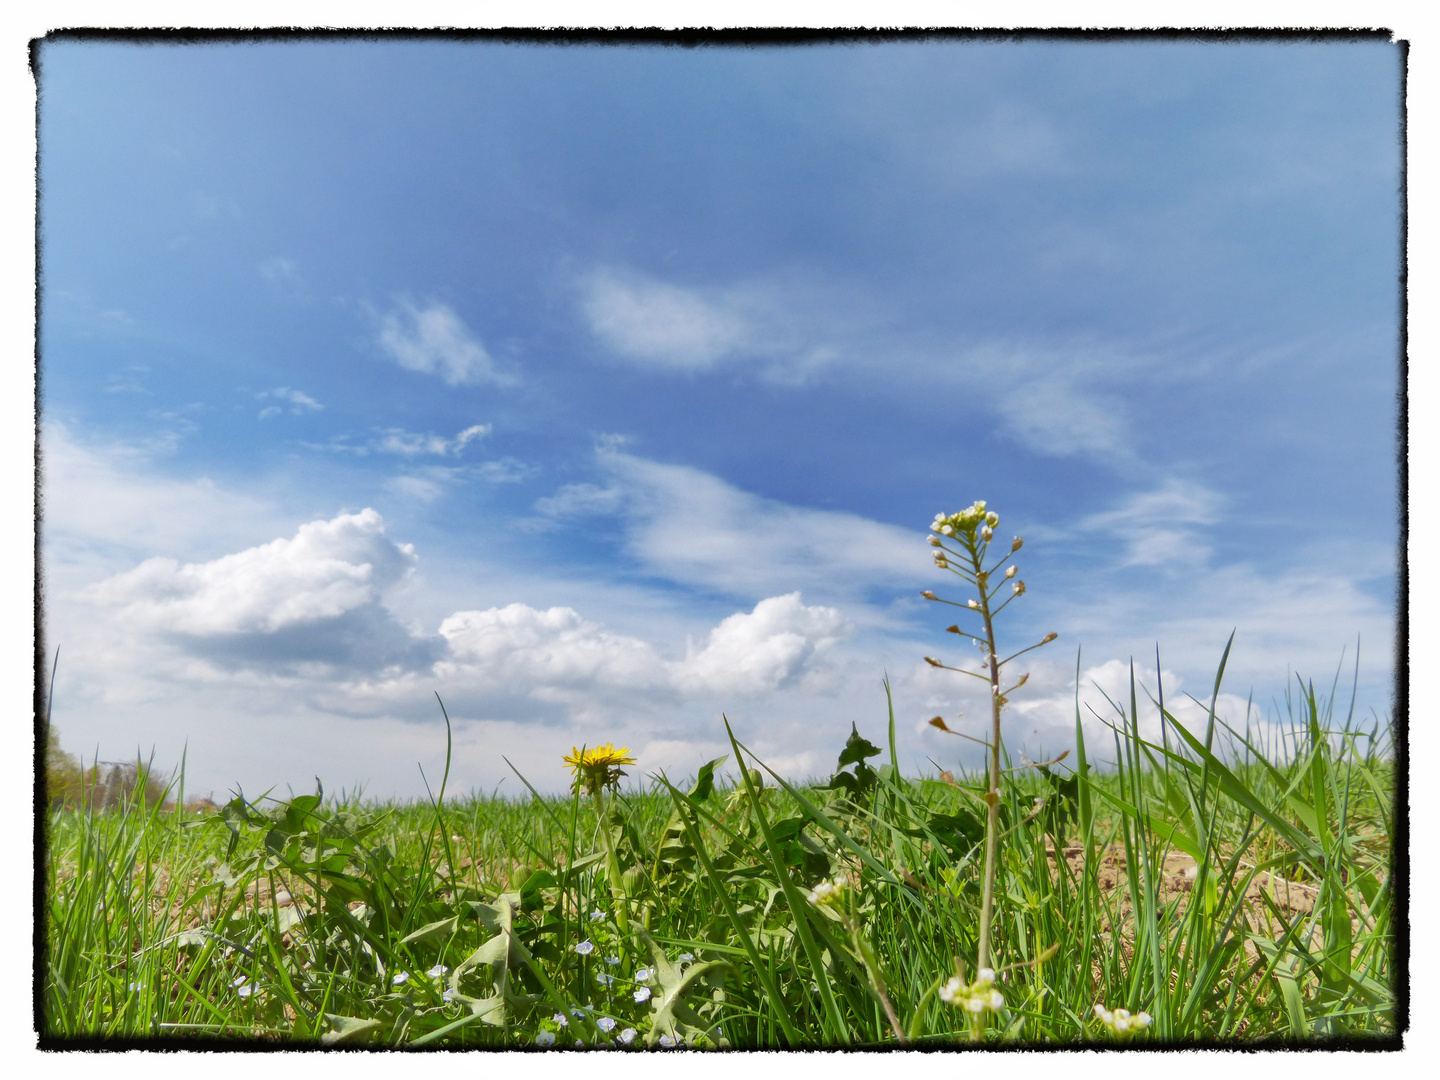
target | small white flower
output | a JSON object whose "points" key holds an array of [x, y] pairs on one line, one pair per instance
{"points": [[605, 1024], [561, 1019], [400, 977], [627, 1036], [238, 981], [973, 604], [135, 986], [642, 995], [667, 1041], [246, 990], [1140, 1020], [585, 948], [436, 971], [997, 1000], [643, 975], [975, 1004], [1012, 571], [951, 989], [947, 530], [1019, 587], [545, 1038], [987, 533], [985, 976], [992, 518]]}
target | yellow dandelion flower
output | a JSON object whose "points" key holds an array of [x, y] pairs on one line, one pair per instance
{"points": [[598, 767]]}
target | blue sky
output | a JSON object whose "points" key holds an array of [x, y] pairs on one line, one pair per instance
{"points": [[605, 390]]}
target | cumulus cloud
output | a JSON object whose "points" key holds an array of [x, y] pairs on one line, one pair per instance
{"points": [[559, 655], [694, 528], [435, 341], [296, 402], [318, 598], [315, 597], [749, 654]]}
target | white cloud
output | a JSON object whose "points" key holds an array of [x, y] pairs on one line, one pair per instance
{"points": [[298, 402], [694, 528], [314, 599], [406, 443], [558, 655], [1156, 527], [656, 323], [434, 340], [748, 654]]}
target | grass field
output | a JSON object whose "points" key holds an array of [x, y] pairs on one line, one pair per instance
{"points": [[1230, 892]]}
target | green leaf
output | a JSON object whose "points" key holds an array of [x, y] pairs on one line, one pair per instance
{"points": [[857, 749], [349, 1030], [439, 928]]}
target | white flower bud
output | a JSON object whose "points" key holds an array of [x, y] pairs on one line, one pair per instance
{"points": [[986, 533], [947, 530], [973, 604], [992, 519], [941, 561], [1011, 572], [1017, 544], [928, 595], [935, 541], [1019, 587]]}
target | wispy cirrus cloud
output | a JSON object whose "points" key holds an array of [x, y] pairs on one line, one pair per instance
{"points": [[1160, 527], [434, 340], [695, 529], [408, 444], [660, 324], [294, 401]]}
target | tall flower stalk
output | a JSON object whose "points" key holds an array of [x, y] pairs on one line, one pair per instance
{"points": [[596, 771], [963, 541]]}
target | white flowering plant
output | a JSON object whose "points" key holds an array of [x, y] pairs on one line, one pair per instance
{"points": [[962, 547]]}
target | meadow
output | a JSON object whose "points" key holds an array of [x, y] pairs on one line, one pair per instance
{"points": [[1217, 887], [1230, 892]]}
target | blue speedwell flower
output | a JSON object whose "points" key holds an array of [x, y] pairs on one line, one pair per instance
{"points": [[400, 977], [544, 1038], [436, 971], [605, 1024], [643, 975], [561, 1019], [596, 916], [585, 948], [627, 1036], [642, 995]]}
